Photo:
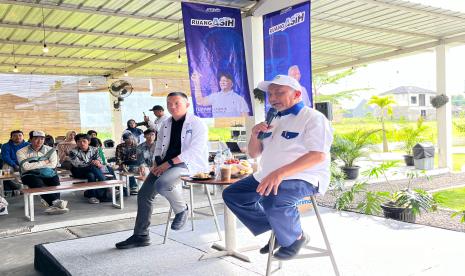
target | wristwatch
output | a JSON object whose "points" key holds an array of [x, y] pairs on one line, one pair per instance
{"points": [[170, 162]]}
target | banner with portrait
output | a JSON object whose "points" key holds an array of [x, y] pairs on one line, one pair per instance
{"points": [[286, 35], [215, 54]]}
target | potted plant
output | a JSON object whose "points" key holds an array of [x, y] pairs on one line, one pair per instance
{"points": [[349, 147], [400, 204], [410, 137]]}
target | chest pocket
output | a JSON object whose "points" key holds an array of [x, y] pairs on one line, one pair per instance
{"points": [[289, 134]]}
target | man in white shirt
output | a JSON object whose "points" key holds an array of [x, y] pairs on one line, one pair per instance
{"points": [[181, 149], [294, 163], [160, 116]]}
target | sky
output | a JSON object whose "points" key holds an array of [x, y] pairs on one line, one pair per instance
{"points": [[413, 70]]}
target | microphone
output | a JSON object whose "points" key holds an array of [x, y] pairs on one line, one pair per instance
{"points": [[269, 117]]}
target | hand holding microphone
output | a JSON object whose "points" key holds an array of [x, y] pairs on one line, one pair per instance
{"points": [[263, 127]]}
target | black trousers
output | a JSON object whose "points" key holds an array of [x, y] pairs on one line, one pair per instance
{"points": [[33, 181], [92, 174]]}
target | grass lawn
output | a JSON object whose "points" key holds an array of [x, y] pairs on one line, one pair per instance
{"points": [[453, 198]]}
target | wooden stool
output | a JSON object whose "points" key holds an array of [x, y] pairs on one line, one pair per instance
{"points": [[320, 252]]}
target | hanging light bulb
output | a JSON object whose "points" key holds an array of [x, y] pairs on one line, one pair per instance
{"points": [[179, 57], [166, 85], [89, 83], [45, 49], [126, 73], [15, 69]]}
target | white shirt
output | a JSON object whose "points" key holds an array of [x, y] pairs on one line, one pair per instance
{"points": [[291, 137], [194, 143], [227, 104], [155, 125]]}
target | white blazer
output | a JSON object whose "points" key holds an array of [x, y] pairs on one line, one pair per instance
{"points": [[194, 143]]}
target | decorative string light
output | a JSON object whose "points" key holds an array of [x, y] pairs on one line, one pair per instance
{"points": [[179, 51], [125, 65], [15, 68], [44, 49]]}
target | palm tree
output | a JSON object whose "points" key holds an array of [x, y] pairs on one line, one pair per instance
{"points": [[385, 106]]}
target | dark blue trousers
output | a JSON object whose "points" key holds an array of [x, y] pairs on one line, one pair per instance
{"points": [[262, 213]]}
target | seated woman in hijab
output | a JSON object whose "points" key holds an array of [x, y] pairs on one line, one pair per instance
{"points": [[136, 132], [64, 148]]}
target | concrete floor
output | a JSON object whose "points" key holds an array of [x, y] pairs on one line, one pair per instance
{"points": [[363, 246]]}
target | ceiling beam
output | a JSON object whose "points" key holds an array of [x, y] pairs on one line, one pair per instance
{"points": [[318, 53], [48, 57], [355, 42], [148, 60], [57, 66], [412, 10], [369, 28], [84, 32], [406, 50], [214, 3], [86, 47], [88, 10]]}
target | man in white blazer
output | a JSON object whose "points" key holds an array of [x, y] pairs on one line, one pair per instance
{"points": [[181, 149]]}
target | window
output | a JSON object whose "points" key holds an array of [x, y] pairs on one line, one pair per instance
{"points": [[422, 100], [423, 113], [413, 100]]}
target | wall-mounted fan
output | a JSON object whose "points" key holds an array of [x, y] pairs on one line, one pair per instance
{"points": [[120, 89]]}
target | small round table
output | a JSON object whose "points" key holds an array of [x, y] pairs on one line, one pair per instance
{"points": [[230, 248]]}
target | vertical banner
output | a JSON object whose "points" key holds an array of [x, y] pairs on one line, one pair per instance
{"points": [[286, 35], [216, 58]]}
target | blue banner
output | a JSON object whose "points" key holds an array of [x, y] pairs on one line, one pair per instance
{"points": [[215, 54], [286, 35]]}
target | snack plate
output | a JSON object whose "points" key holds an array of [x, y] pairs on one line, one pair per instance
{"points": [[201, 178]]}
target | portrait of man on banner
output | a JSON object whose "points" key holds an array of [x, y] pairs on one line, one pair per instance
{"points": [[217, 67], [287, 47]]}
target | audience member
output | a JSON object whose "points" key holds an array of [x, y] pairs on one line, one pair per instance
{"points": [[10, 162], [126, 159], [64, 148], [145, 152], [86, 164], [92, 133], [136, 132], [160, 116], [37, 164], [49, 141]]}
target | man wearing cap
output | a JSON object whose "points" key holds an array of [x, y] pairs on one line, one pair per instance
{"points": [[181, 149], [159, 113], [295, 159], [37, 166]]}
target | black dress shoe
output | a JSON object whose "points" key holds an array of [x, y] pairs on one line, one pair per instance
{"points": [[266, 249], [180, 220], [289, 252], [133, 241]]}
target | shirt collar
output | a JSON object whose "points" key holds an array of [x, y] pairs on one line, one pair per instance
{"points": [[295, 109]]}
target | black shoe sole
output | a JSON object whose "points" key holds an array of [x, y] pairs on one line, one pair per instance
{"points": [[132, 245]]}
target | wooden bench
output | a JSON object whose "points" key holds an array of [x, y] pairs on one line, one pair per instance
{"points": [[31, 192]]}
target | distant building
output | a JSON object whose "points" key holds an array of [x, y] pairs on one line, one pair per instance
{"points": [[412, 102]]}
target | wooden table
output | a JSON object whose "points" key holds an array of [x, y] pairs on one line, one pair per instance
{"points": [[230, 247]]}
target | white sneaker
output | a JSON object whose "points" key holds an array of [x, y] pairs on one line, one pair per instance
{"points": [[56, 211], [60, 203], [93, 200]]}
